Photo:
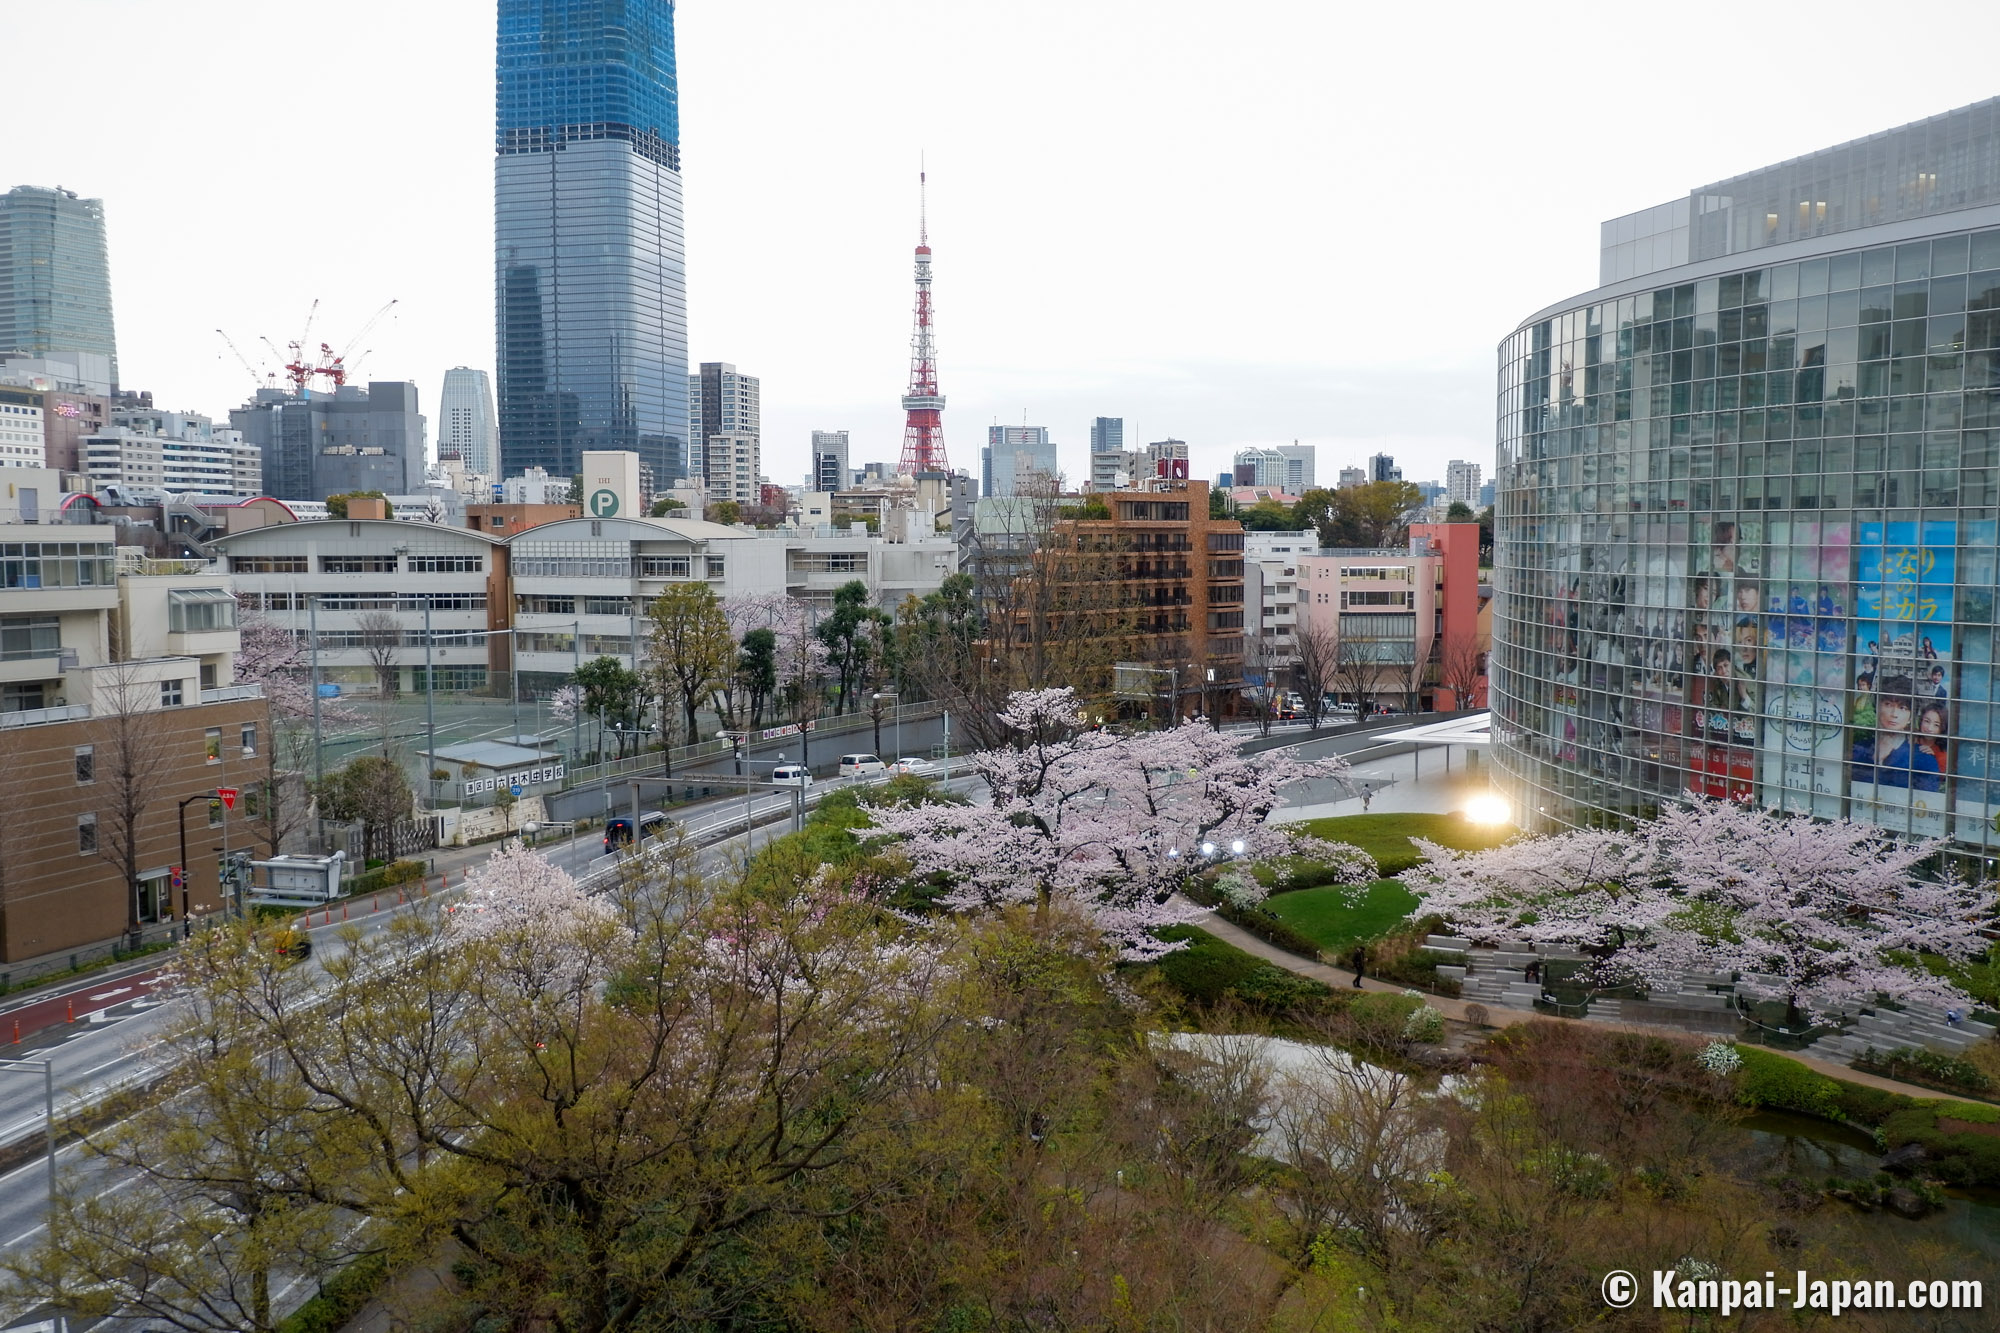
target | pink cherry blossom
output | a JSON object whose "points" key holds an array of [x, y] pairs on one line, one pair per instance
{"points": [[1113, 822]]}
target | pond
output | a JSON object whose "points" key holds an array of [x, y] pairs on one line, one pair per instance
{"points": [[1778, 1143]]}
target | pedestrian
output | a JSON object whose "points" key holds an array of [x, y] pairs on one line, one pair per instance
{"points": [[1367, 795], [1359, 960], [1952, 1016], [1534, 970]]}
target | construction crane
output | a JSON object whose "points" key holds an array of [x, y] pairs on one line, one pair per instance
{"points": [[263, 379], [329, 364]]}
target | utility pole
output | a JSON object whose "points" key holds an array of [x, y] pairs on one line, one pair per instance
{"points": [[430, 710], [319, 755]]}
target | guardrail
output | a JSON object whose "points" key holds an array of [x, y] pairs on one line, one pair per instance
{"points": [[587, 775]]}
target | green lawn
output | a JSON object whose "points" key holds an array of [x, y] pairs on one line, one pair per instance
{"points": [[1386, 837], [1330, 919]]}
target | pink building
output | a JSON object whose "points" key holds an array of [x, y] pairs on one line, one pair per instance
{"points": [[1407, 622]]}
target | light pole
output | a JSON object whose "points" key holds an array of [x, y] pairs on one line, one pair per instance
{"points": [[896, 699], [48, 1068]]}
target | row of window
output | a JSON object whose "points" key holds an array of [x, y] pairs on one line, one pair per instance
{"points": [[358, 564]]}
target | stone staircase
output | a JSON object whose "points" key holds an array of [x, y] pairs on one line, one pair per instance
{"points": [[1914, 1024], [1496, 975]]}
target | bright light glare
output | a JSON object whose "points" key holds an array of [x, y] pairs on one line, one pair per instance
{"points": [[1208, 849], [1489, 808], [1237, 847]]}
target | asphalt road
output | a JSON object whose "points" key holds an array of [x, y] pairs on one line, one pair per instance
{"points": [[115, 1040]]}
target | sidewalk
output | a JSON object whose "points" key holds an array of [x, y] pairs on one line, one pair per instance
{"points": [[1500, 1017]]}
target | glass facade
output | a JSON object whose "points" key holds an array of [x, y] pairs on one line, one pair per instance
{"points": [[55, 275], [1746, 540], [589, 273]]}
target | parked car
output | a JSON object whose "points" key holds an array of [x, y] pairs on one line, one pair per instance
{"points": [[792, 775], [861, 765], [618, 832], [922, 768]]}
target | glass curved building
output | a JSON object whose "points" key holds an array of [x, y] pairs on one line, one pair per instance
{"points": [[1748, 500]]}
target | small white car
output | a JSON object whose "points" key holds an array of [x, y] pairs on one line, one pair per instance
{"points": [[792, 775], [861, 765], [922, 768]]}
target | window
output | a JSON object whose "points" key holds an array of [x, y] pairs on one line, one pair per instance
{"points": [[663, 566], [23, 637], [170, 694], [211, 745], [249, 739], [267, 564], [86, 764], [446, 564], [200, 610], [86, 835], [357, 564], [215, 812], [715, 566]]}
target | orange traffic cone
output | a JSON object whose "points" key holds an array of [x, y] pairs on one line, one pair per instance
{"points": [[378, 904], [72, 1009], [17, 1032], [343, 911]]}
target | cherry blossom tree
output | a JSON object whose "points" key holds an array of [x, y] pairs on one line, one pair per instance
{"points": [[1115, 824], [545, 930], [1824, 916], [272, 656]]}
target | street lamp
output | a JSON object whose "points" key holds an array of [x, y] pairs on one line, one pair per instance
{"points": [[878, 697]]}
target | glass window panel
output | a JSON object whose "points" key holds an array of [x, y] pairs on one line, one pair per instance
{"points": [[1877, 266], [1913, 261]]}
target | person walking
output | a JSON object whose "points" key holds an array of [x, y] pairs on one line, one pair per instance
{"points": [[1359, 959]]}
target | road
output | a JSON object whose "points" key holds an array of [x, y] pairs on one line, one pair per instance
{"points": [[114, 1040]]}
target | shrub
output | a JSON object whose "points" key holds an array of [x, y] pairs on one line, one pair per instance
{"points": [[1209, 972], [1719, 1057], [1424, 1024], [1771, 1081], [1869, 1106], [340, 1297], [1476, 1013], [388, 877], [1914, 1064], [1260, 922], [1957, 1159]]}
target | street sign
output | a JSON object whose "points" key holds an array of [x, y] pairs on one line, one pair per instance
{"points": [[177, 877], [227, 795], [515, 789]]}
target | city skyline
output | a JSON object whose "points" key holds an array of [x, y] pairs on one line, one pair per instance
{"points": [[1025, 313]]}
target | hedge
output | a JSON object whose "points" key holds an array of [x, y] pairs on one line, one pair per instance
{"points": [[1209, 971], [388, 877], [1771, 1081], [340, 1297], [1914, 1064]]}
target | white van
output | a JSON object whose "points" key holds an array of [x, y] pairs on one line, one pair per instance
{"points": [[792, 775], [860, 765]]}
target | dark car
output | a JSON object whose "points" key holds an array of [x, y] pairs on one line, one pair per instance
{"points": [[618, 832]]}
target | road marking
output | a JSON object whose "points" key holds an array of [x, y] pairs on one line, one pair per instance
{"points": [[105, 995]]}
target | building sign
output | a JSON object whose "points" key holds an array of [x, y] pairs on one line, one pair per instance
{"points": [[603, 503], [519, 779]]}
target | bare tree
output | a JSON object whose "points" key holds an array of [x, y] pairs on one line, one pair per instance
{"points": [[381, 637], [1261, 662], [131, 756], [1461, 668], [1357, 668], [1314, 656]]}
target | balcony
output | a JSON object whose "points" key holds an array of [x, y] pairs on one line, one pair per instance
{"points": [[36, 717], [231, 693]]}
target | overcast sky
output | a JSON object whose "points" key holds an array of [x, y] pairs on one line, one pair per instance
{"points": [[1228, 223]]}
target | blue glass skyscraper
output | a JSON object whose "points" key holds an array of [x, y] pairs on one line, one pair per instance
{"points": [[589, 275]]}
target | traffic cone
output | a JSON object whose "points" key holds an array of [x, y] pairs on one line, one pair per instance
{"points": [[329, 914], [343, 911], [378, 904], [17, 1032], [72, 1010]]}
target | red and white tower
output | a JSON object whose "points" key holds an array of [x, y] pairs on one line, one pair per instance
{"points": [[923, 434]]}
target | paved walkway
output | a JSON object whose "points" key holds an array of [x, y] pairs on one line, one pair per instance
{"points": [[1501, 1017]]}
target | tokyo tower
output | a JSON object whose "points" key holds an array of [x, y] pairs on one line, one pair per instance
{"points": [[923, 434]]}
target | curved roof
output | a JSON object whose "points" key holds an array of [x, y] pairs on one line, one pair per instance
{"points": [[401, 529], [632, 529]]}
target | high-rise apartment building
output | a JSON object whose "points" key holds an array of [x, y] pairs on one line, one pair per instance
{"points": [[1382, 467], [720, 402], [1016, 455], [55, 281], [465, 420], [1107, 435], [1461, 483], [830, 471], [588, 263], [1353, 476], [150, 449], [733, 463]]}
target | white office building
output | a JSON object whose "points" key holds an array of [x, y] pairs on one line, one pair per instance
{"points": [[467, 425], [182, 452], [21, 435]]}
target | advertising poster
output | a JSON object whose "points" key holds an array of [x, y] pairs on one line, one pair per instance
{"points": [[1803, 746], [1727, 658], [1975, 795], [1899, 757]]}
